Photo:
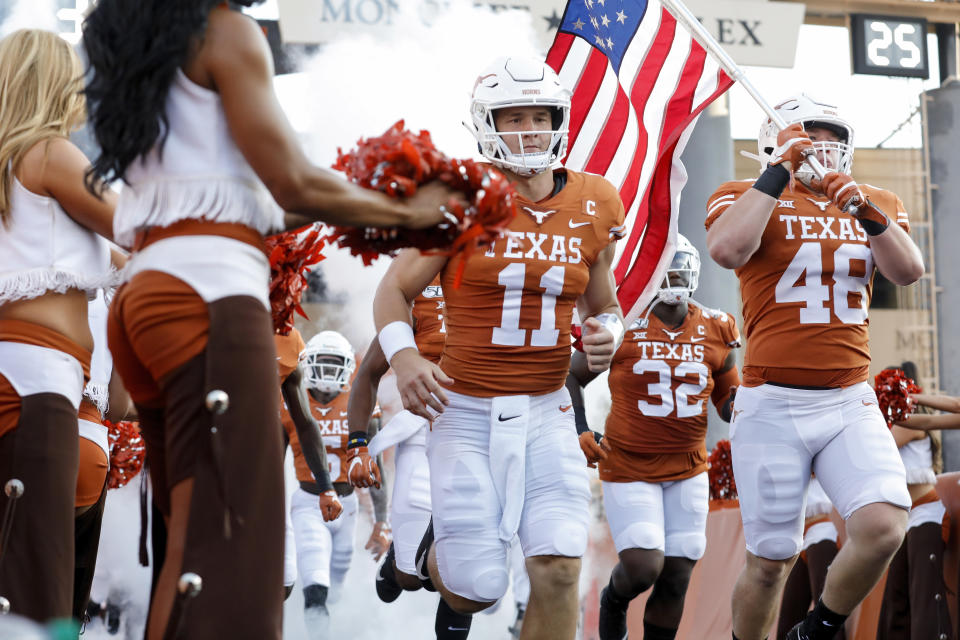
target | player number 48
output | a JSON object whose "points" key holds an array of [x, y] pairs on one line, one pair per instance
{"points": [[815, 295]]}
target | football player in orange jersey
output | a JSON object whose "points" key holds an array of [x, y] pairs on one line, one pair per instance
{"points": [[503, 453], [410, 508], [296, 406], [805, 263], [324, 546], [653, 455]]}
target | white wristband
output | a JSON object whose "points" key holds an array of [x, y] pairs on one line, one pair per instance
{"points": [[395, 337], [612, 323]]}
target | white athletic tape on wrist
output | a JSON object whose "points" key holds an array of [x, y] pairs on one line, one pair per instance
{"points": [[612, 323], [395, 337]]}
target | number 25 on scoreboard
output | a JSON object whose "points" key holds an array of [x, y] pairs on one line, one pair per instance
{"points": [[889, 45]]}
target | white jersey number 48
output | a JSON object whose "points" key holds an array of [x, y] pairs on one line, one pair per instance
{"points": [[808, 265]]}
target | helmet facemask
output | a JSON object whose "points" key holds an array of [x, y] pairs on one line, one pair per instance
{"points": [[681, 279], [802, 109], [494, 146], [327, 373]]}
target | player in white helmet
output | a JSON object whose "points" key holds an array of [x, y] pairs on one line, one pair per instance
{"points": [[805, 253], [652, 457], [503, 453], [324, 549]]}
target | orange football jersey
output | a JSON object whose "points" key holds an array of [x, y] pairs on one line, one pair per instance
{"points": [[661, 380], [289, 348], [806, 289], [332, 419], [428, 328], [508, 323]]}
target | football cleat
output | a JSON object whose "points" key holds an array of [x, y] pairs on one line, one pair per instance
{"points": [[613, 618], [796, 634], [387, 588]]}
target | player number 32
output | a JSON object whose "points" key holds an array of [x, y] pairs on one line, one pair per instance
{"points": [[814, 294]]}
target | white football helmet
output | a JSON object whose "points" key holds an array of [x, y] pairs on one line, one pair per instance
{"points": [[835, 156], [523, 82], [328, 363], [685, 267]]}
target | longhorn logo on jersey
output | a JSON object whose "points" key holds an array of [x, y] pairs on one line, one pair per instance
{"points": [[539, 216]]}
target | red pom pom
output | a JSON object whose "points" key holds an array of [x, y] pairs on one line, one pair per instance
{"points": [[291, 255], [893, 389], [723, 486], [127, 452], [396, 163], [576, 333]]}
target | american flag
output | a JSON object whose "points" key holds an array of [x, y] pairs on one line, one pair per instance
{"points": [[639, 82]]}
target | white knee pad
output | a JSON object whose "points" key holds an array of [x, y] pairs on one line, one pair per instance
{"points": [[476, 571], [686, 545], [635, 514]]}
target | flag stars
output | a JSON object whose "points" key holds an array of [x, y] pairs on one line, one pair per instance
{"points": [[578, 25], [609, 44], [602, 3], [605, 20], [589, 3], [598, 40], [621, 17], [593, 21]]}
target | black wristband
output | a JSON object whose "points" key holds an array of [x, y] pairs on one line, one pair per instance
{"points": [[874, 227], [324, 483], [356, 439], [772, 181], [580, 418]]}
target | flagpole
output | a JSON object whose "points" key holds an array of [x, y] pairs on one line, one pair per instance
{"points": [[705, 38]]}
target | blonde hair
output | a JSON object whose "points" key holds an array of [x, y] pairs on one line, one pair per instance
{"points": [[41, 84]]}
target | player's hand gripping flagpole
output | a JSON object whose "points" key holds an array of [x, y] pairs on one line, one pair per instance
{"points": [[705, 38]]}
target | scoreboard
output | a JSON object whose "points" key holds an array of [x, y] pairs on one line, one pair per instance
{"points": [[889, 45]]}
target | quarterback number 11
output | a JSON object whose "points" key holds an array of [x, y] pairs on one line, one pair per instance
{"points": [[509, 332]]}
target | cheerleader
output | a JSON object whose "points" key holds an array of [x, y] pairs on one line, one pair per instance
{"points": [[51, 262]]}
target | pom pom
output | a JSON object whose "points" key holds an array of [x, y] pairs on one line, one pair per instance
{"points": [[723, 486], [127, 452], [399, 161], [291, 255], [893, 389], [576, 334]]}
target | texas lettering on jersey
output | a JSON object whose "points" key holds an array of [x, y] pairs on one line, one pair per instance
{"points": [[513, 307], [332, 420], [809, 283]]}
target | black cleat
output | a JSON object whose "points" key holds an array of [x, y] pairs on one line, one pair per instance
{"points": [[613, 618], [795, 634], [387, 588], [113, 619], [421, 559]]}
